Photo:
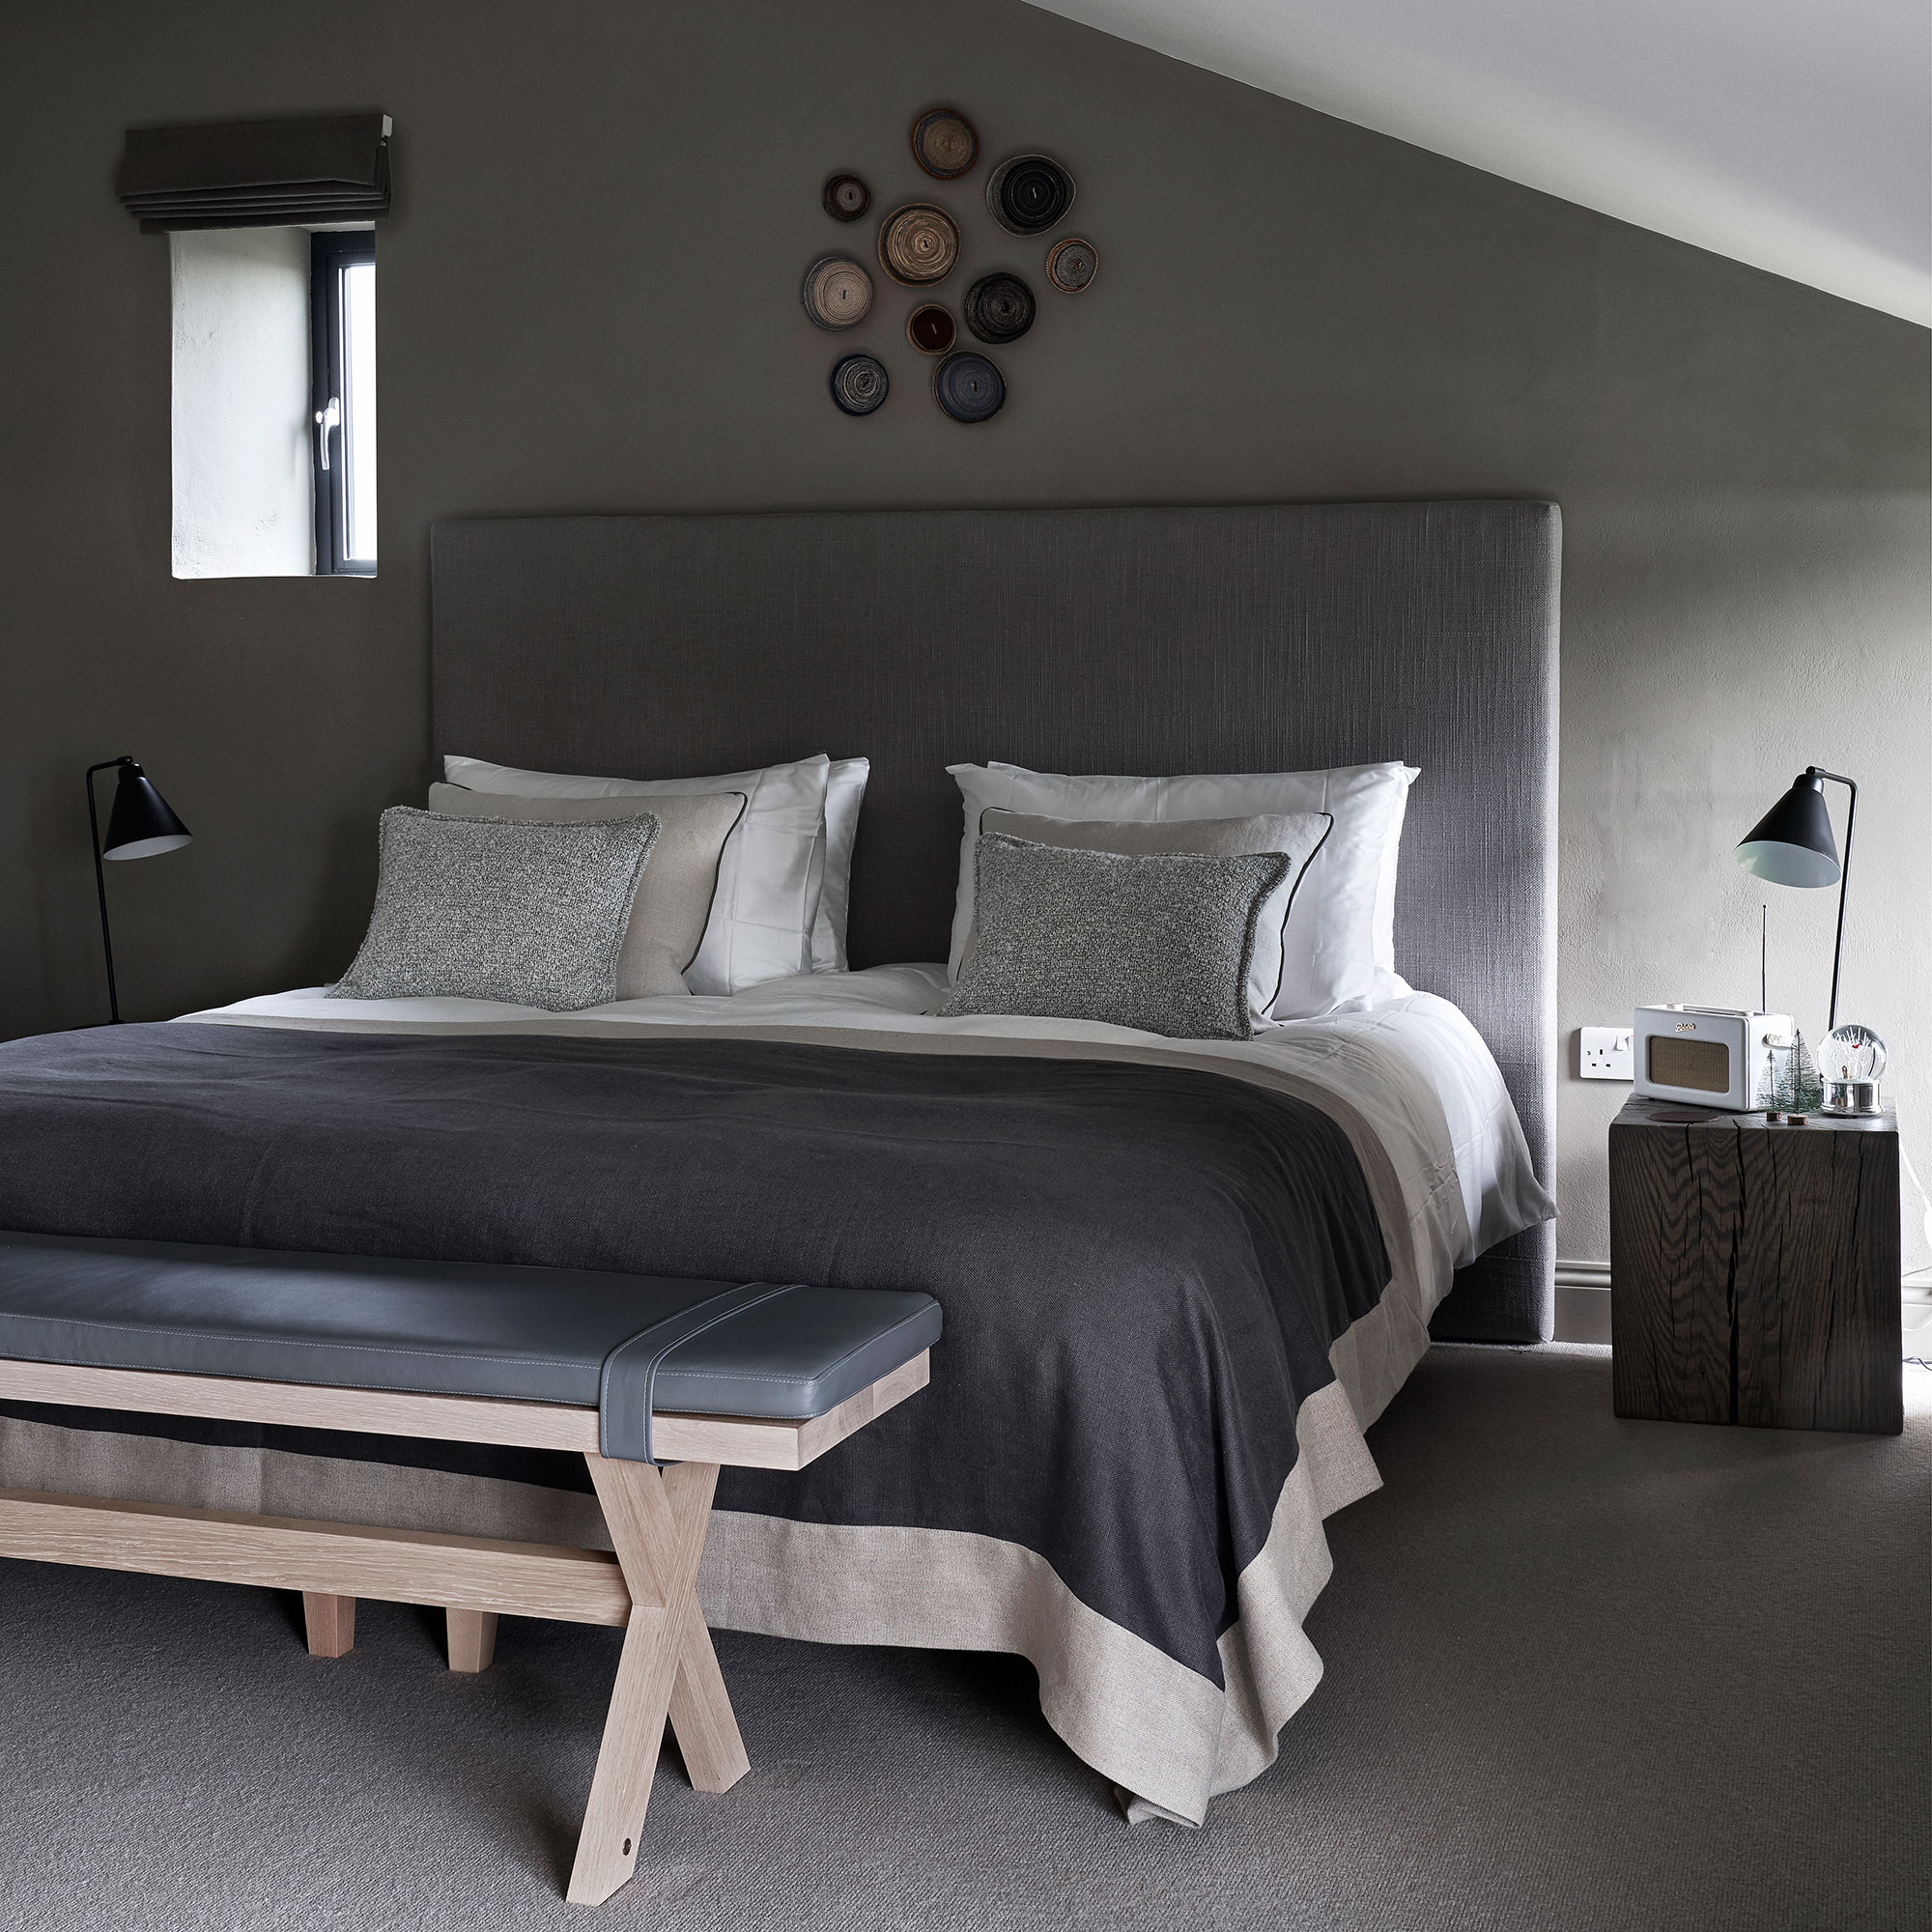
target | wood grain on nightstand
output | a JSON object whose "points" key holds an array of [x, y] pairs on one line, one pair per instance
{"points": [[1754, 1270]]}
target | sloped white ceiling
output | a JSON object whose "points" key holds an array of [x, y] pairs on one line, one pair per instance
{"points": [[1792, 135]]}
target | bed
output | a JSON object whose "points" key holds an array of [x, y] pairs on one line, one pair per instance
{"points": [[1181, 1278]]}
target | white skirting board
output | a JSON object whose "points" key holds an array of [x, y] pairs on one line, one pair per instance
{"points": [[1584, 1307], [1915, 1316], [1582, 1302]]}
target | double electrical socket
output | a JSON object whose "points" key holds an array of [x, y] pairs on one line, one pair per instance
{"points": [[1603, 1053]]}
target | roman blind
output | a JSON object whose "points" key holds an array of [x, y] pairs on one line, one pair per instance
{"points": [[257, 174]]}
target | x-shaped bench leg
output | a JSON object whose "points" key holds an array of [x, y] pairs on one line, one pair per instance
{"points": [[657, 1522]]}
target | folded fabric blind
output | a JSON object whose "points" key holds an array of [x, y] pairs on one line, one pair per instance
{"points": [[257, 174]]}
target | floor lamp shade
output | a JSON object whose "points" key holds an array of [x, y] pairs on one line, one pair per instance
{"points": [[142, 822], [1792, 843]]}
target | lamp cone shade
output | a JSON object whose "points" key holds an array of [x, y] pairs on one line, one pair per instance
{"points": [[1792, 843], [142, 822]]}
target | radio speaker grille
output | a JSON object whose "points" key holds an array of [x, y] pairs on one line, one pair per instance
{"points": [[1700, 1066]]}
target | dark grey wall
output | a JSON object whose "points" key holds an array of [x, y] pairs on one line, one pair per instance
{"points": [[588, 301]]}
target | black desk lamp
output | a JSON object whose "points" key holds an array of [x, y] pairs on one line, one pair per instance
{"points": [[1792, 845], [140, 825]]}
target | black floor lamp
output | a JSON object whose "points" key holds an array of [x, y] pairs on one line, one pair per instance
{"points": [[1792, 845], [140, 825]]}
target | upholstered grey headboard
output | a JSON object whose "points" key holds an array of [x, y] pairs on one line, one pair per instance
{"points": [[1271, 638]]}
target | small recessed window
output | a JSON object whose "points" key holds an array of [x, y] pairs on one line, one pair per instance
{"points": [[342, 317]]}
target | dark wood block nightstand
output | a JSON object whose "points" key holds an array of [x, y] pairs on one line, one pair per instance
{"points": [[1754, 1270]]}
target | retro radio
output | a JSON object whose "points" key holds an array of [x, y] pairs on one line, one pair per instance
{"points": [[1709, 1056]]}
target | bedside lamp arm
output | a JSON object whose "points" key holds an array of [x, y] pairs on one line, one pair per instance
{"points": [[1844, 876], [100, 878]]}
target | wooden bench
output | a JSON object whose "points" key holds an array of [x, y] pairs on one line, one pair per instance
{"points": [[145, 1301]]}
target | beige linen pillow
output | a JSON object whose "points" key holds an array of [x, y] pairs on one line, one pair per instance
{"points": [[770, 879], [673, 901], [1296, 834]]}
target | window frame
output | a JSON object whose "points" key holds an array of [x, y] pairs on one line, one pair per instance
{"points": [[331, 252]]}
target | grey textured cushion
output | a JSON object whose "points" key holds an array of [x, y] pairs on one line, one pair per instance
{"points": [[1159, 941], [1300, 835], [485, 910], [676, 892]]}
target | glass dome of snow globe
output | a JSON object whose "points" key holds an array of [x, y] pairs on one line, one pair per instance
{"points": [[1850, 1052]]}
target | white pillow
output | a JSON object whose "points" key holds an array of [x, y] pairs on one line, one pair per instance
{"points": [[1389, 984], [844, 793], [1338, 949], [768, 888]]}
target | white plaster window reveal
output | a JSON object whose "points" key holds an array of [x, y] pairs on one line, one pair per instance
{"points": [[358, 403], [243, 502]]}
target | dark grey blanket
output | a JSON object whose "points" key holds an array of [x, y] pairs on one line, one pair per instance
{"points": [[1141, 1268]]}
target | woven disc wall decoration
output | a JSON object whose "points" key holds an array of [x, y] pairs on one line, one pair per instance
{"points": [[998, 308], [929, 328], [919, 244], [944, 143], [837, 292], [847, 197], [1072, 264], [1030, 194], [859, 385], [968, 387]]}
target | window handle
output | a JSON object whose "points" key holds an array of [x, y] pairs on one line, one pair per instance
{"points": [[325, 421]]}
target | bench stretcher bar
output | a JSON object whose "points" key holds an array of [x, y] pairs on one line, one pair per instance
{"points": [[336, 1559]]}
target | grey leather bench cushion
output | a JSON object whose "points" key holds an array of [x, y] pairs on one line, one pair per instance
{"points": [[624, 1344]]}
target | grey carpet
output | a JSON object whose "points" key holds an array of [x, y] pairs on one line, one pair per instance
{"points": [[1581, 1675]]}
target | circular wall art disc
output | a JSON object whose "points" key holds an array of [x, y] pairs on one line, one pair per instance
{"points": [[859, 385], [1030, 194], [847, 197], [968, 387], [998, 308], [1072, 264], [919, 244], [837, 292], [944, 143], [930, 329]]}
